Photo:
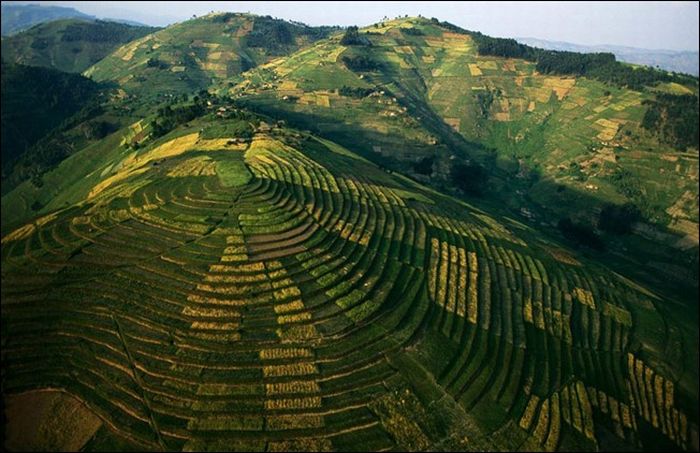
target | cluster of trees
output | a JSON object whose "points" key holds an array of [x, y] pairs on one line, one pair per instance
{"points": [[169, 118], [156, 63], [355, 92], [424, 166], [97, 129], [485, 99], [103, 31], [360, 63], [469, 177], [580, 234], [352, 38], [276, 36], [675, 118], [413, 31], [599, 66], [618, 219], [41, 43]]}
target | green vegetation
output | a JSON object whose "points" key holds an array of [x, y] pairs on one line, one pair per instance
{"points": [[268, 282], [279, 37], [618, 219], [36, 101], [69, 45], [355, 92], [599, 66], [674, 118], [228, 260], [352, 38], [188, 56], [361, 63], [469, 177], [580, 234]]}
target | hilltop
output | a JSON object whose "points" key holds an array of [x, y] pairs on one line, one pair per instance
{"points": [[420, 94], [237, 281], [191, 55], [403, 237], [69, 45]]}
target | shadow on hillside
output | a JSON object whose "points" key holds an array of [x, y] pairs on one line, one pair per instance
{"points": [[637, 258]]}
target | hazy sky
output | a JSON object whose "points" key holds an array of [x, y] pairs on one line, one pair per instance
{"points": [[651, 25]]}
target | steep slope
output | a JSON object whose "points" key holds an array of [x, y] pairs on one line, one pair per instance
{"points": [[188, 56], [16, 18], [279, 293], [35, 101], [69, 45], [556, 145]]}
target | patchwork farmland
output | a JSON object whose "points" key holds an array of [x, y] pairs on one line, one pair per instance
{"points": [[286, 294]]}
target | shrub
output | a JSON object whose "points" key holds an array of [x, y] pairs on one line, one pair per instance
{"points": [[352, 38], [424, 166], [469, 177], [618, 219], [355, 92], [360, 63], [580, 234]]}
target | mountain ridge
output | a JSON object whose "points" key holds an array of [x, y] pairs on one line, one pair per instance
{"points": [[405, 236], [685, 61]]}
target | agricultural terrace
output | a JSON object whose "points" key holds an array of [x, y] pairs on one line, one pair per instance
{"points": [[422, 90], [284, 294]]}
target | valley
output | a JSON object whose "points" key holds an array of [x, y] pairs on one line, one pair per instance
{"points": [[295, 238]]}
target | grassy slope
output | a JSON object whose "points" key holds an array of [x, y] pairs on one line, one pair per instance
{"points": [[572, 132], [69, 45], [558, 141], [193, 55], [36, 100], [110, 200]]}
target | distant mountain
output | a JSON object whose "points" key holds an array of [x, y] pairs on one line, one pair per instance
{"points": [[70, 45], [16, 18], [126, 21], [671, 60]]}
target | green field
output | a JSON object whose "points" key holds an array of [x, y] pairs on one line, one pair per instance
{"points": [[273, 274]]}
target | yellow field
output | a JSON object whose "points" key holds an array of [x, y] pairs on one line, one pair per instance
{"points": [[474, 69]]}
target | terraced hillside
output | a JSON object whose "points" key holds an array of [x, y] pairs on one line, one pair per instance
{"points": [[69, 45], [191, 55], [282, 293], [417, 89]]}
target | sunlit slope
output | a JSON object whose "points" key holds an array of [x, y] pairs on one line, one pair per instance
{"points": [[285, 294], [430, 85], [191, 55]]}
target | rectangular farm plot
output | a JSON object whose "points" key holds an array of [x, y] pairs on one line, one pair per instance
{"points": [[609, 129], [294, 369], [474, 69], [453, 279]]}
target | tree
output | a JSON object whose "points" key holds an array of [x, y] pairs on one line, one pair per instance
{"points": [[580, 234], [618, 219], [352, 38], [424, 166], [469, 177]]}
